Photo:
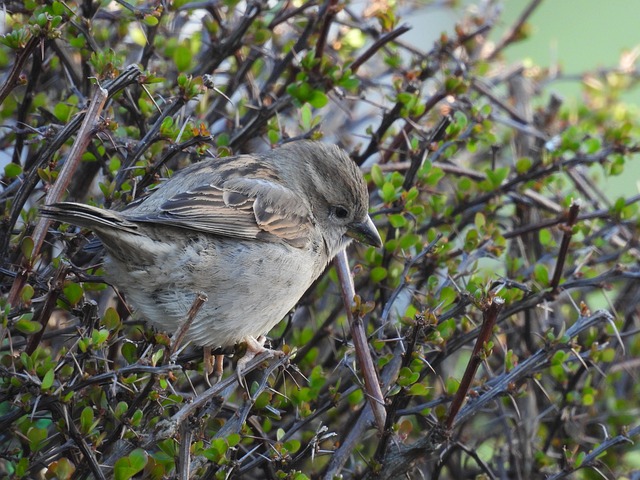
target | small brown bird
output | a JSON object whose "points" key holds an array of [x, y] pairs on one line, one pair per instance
{"points": [[252, 232]]}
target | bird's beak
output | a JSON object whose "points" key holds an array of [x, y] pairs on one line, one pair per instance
{"points": [[365, 232]]}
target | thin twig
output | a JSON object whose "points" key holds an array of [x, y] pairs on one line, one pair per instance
{"points": [[574, 209], [85, 134], [371, 382], [490, 316]]}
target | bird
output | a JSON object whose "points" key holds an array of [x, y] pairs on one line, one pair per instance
{"points": [[251, 232]]}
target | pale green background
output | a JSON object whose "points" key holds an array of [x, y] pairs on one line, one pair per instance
{"points": [[575, 35]]}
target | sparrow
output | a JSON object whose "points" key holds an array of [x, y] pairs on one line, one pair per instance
{"points": [[251, 232]]}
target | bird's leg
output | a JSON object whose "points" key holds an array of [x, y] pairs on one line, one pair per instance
{"points": [[212, 364]]}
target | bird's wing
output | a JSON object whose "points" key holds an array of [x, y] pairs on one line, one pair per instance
{"points": [[243, 208]]}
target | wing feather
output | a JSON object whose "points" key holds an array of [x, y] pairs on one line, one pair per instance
{"points": [[243, 208]]}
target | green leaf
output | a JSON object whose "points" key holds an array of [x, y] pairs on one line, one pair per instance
{"points": [[318, 99], [306, 117], [497, 176], [292, 446], [182, 58], [27, 326], [378, 274], [27, 293], [111, 319], [388, 192], [376, 175], [27, 247], [121, 409], [130, 352], [523, 165], [126, 467], [448, 295], [62, 111], [151, 20], [418, 389], [99, 336], [47, 380], [37, 436], [397, 220], [86, 420], [407, 377], [73, 293], [541, 274], [12, 170], [233, 439], [545, 237], [63, 469]]}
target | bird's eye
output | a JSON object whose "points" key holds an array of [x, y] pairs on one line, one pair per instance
{"points": [[340, 212]]}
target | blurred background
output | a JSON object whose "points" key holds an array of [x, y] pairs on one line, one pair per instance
{"points": [[568, 37]]}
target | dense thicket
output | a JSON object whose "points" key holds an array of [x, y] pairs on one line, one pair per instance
{"points": [[501, 314]]}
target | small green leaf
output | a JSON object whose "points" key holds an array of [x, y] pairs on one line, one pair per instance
{"points": [[448, 295], [418, 389], [63, 469], [86, 420], [182, 58], [397, 220], [129, 352], [292, 446], [62, 111], [545, 237], [541, 274], [376, 175], [306, 117], [157, 357], [27, 293], [27, 326], [388, 192], [523, 165], [36, 436], [73, 293], [27, 247], [47, 380], [151, 20], [126, 467], [98, 337], [12, 170], [318, 99], [497, 176], [233, 439], [121, 409], [111, 319], [378, 274]]}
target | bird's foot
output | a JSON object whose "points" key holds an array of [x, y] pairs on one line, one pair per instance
{"points": [[254, 348]]}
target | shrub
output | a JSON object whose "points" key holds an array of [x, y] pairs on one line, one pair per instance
{"points": [[501, 313]]}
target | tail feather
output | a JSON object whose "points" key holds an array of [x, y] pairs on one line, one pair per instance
{"points": [[87, 216]]}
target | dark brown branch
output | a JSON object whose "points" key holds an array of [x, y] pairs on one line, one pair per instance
{"points": [[490, 316], [574, 209], [377, 45], [85, 133], [11, 79]]}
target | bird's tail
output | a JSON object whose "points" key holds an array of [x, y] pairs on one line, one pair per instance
{"points": [[87, 216]]}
